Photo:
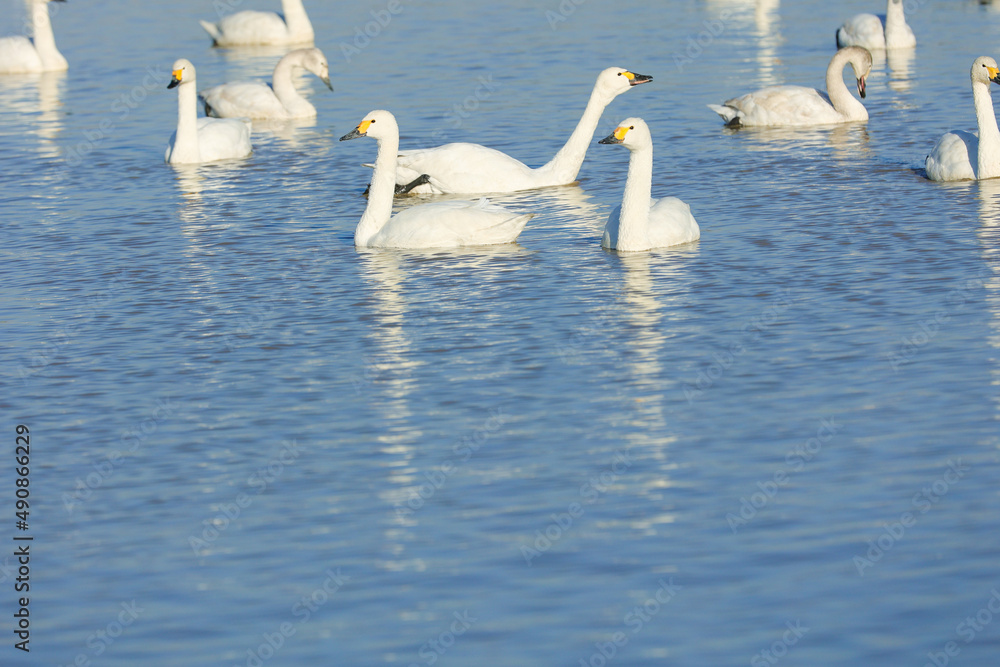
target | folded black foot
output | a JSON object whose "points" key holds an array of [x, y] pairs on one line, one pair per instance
{"points": [[405, 189]]}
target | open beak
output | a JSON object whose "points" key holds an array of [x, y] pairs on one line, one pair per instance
{"points": [[639, 78], [861, 87]]}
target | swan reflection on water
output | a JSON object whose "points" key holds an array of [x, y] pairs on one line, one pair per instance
{"points": [[36, 99]]}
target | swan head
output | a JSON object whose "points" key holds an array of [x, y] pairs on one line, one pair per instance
{"points": [[614, 81], [860, 59], [377, 124], [314, 61], [183, 72], [632, 133], [984, 70]]}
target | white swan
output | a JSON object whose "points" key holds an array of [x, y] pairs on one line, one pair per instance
{"points": [[469, 168], [202, 139], [278, 101], [642, 223], [800, 106], [251, 28], [436, 225], [959, 155], [878, 32], [20, 55]]}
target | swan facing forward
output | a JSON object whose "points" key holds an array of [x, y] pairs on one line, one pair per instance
{"points": [[20, 55], [436, 225], [642, 223], [878, 32], [252, 28], [801, 106], [470, 168], [959, 155], [279, 101], [202, 139]]}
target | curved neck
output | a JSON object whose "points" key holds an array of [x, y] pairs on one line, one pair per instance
{"points": [[633, 222], [989, 135], [44, 40], [284, 87], [296, 18], [383, 189], [840, 96], [186, 141], [567, 162]]}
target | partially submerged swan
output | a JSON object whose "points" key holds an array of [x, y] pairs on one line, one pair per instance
{"points": [[472, 168], [202, 139], [640, 222], [278, 101], [878, 32], [250, 28], [801, 106], [960, 155], [435, 225], [20, 55]]}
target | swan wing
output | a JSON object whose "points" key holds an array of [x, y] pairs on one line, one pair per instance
{"points": [[862, 30], [223, 139], [783, 105], [951, 159], [19, 56], [449, 225], [251, 27], [671, 223], [252, 99], [464, 168]]}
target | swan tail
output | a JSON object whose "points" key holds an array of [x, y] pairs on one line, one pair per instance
{"points": [[212, 30], [728, 114]]}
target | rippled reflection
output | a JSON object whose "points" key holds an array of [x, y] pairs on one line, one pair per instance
{"points": [[36, 100], [989, 239], [763, 19]]}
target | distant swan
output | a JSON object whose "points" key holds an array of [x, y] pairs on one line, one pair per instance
{"points": [[436, 225], [472, 168], [202, 139], [960, 155], [878, 32], [20, 55], [800, 106], [249, 28], [279, 101], [642, 223]]}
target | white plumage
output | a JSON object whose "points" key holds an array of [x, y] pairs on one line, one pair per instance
{"points": [[640, 222], [20, 55], [202, 139], [878, 32], [249, 28], [801, 106], [436, 225]]}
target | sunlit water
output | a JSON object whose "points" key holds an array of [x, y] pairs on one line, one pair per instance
{"points": [[253, 435]]}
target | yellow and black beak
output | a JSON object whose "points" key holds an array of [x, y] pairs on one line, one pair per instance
{"points": [[861, 87], [994, 74], [616, 137], [360, 131], [176, 80], [635, 79]]}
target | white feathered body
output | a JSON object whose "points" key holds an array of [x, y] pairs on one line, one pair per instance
{"points": [[449, 225], [781, 106], [463, 168], [249, 28], [20, 55], [953, 157], [670, 223], [249, 99], [218, 139]]}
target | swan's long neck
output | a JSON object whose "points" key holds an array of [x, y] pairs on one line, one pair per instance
{"points": [[633, 223], [840, 96], [989, 134], [383, 189], [895, 21], [296, 18], [44, 39], [284, 87], [566, 164], [186, 142]]}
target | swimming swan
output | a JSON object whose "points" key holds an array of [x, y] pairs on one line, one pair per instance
{"points": [[800, 106], [250, 28], [436, 225], [867, 30], [959, 155], [469, 168], [642, 223], [278, 101], [20, 55], [202, 139]]}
